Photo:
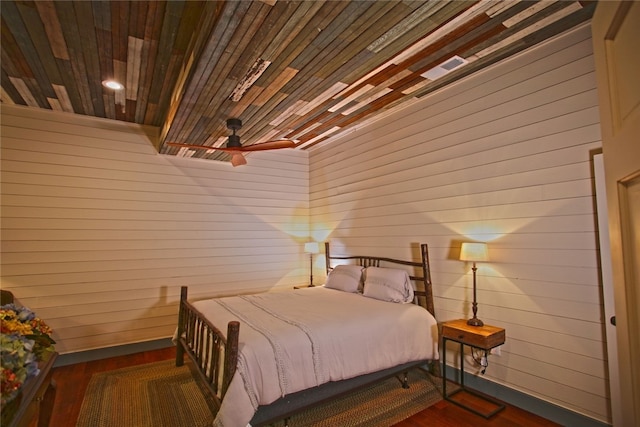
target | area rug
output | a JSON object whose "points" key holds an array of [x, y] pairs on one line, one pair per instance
{"points": [[159, 394]]}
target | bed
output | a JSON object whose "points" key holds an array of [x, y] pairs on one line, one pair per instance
{"points": [[264, 357]]}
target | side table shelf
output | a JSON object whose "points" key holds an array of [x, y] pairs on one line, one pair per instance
{"points": [[34, 403], [481, 337]]}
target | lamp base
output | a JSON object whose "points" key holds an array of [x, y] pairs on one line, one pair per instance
{"points": [[475, 322]]}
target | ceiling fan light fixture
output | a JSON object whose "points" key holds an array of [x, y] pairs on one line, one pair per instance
{"points": [[237, 159]]}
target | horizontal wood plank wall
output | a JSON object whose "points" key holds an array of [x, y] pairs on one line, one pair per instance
{"points": [[99, 231], [501, 157]]}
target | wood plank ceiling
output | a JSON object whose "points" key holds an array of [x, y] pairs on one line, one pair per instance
{"points": [[300, 70]]}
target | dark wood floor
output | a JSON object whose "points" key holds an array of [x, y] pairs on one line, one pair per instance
{"points": [[72, 381]]}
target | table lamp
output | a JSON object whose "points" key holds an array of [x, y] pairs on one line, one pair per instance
{"points": [[311, 248], [474, 252]]}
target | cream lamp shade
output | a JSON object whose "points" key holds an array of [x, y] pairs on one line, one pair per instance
{"points": [[311, 247], [474, 252]]}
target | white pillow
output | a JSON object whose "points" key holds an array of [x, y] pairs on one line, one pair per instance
{"points": [[388, 284], [345, 278]]}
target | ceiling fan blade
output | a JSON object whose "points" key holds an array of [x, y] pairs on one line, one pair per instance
{"points": [[203, 147], [269, 145], [237, 159]]}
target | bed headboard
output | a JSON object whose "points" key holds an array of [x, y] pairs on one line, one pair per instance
{"points": [[423, 292]]}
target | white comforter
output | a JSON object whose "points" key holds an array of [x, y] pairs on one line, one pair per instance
{"points": [[290, 341]]}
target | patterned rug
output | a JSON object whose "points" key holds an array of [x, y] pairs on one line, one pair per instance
{"points": [[159, 394]]}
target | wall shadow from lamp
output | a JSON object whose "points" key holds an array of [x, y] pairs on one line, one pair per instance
{"points": [[474, 252], [311, 248]]}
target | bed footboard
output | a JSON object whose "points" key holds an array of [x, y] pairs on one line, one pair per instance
{"points": [[214, 356]]}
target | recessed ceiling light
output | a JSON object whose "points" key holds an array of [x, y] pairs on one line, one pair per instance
{"points": [[112, 84]]}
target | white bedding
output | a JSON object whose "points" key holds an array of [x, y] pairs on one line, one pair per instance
{"points": [[290, 341]]}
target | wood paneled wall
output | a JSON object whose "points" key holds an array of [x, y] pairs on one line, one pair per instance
{"points": [[502, 157], [99, 231]]}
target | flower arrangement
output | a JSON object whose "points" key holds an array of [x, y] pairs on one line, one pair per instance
{"points": [[24, 340]]}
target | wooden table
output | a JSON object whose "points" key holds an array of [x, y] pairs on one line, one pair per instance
{"points": [[34, 404], [482, 337]]}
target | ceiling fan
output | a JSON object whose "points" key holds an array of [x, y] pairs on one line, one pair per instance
{"points": [[235, 147]]}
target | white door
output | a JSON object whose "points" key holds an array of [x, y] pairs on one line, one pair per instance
{"points": [[616, 40], [607, 290]]}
